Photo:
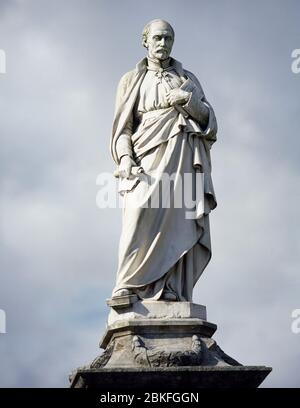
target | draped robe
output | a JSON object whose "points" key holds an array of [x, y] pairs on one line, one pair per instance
{"points": [[162, 248]]}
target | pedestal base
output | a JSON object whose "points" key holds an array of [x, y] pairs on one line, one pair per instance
{"points": [[163, 345], [170, 378]]}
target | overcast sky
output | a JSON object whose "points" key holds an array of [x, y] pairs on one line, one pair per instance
{"points": [[59, 251]]}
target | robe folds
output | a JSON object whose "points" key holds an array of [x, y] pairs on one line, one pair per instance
{"points": [[164, 247]]}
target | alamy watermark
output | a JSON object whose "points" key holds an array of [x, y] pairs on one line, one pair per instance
{"points": [[296, 61], [2, 321], [295, 327], [158, 191], [2, 62]]}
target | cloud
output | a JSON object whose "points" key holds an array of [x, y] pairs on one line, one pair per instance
{"points": [[59, 251]]}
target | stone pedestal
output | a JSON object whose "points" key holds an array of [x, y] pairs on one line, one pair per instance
{"points": [[163, 345], [170, 379]]}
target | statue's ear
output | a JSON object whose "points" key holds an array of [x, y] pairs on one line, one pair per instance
{"points": [[144, 42]]}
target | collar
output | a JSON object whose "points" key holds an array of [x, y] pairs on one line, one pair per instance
{"points": [[156, 65], [142, 66]]}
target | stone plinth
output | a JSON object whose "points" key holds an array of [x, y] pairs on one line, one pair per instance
{"points": [[166, 344], [157, 310], [169, 379]]}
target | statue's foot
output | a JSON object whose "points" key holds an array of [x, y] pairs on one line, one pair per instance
{"points": [[169, 296], [122, 292]]}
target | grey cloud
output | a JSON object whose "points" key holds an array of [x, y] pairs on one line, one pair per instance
{"points": [[59, 251]]}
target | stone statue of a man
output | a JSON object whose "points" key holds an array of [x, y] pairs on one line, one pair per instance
{"points": [[163, 126]]}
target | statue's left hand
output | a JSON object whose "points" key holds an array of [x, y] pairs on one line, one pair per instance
{"points": [[177, 97]]}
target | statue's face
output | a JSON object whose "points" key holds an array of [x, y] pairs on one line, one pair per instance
{"points": [[159, 41]]}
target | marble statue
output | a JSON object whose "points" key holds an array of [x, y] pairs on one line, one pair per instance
{"points": [[163, 125], [156, 338]]}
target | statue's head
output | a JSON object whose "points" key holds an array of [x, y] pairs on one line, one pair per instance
{"points": [[158, 38]]}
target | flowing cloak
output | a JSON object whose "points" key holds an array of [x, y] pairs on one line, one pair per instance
{"points": [[164, 248]]}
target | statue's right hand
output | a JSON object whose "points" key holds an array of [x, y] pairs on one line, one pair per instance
{"points": [[125, 166]]}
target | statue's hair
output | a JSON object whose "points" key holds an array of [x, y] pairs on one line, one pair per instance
{"points": [[147, 27]]}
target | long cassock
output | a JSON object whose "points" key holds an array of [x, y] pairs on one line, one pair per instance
{"points": [[164, 248]]}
